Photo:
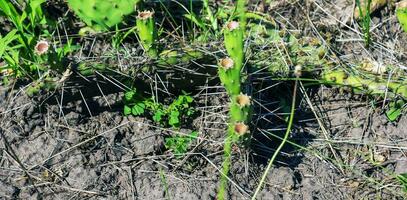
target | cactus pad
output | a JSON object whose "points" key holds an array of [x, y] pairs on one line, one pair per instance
{"points": [[102, 14], [401, 13]]}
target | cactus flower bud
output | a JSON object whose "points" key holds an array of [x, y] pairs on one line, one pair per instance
{"points": [[226, 63], [145, 15], [241, 128], [41, 47], [243, 100], [232, 25]]}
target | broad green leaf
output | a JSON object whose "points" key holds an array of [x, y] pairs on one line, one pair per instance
{"points": [[174, 119], [127, 110], [158, 116], [138, 109]]}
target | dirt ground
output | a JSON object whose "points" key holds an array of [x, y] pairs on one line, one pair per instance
{"points": [[77, 144]]}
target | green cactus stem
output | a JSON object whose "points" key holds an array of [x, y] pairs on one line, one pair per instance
{"points": [[102, 14], [147, 32], [172, 57], [233, 36], [240, 108], [88, 69], [360, 85], [36, 87], [227, 150], [229, 71], [235, 132], [229, 74], [401, 12]]}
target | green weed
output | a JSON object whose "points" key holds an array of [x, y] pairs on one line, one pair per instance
{"points": [[174, 114], [179, 144]]}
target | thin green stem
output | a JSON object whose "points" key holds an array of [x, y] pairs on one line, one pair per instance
{"points": [[227, 149], [287, 133]]}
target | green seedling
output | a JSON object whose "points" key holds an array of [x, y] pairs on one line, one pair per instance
{"points": [[120, 36], [179, 144], [101, 15], [207, 21], [210, 16], [365, 15], [401, 12], [164, 181], [180, 107], [134, 103], [147, 32], [173, 115], [32, 11], [19, 20]]}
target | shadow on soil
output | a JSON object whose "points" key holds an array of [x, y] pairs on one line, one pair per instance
{"points": [[272, 124]]}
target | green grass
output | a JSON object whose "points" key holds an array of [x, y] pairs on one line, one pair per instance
{"points": [[174, 115], [365, 17]]}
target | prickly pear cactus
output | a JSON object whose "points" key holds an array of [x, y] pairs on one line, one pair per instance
{"points": [[147, 32], [102, 14], [401, 13]]}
